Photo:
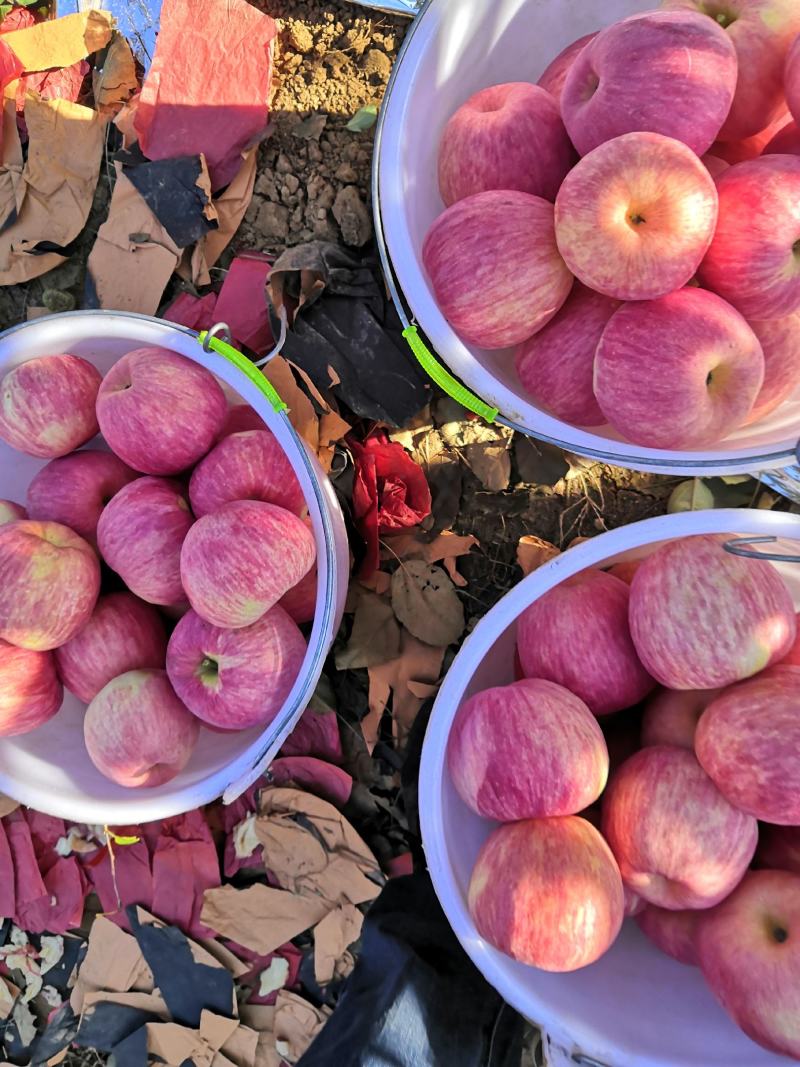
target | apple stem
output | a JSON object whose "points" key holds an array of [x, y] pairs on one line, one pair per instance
{"points": [[209, 666]]}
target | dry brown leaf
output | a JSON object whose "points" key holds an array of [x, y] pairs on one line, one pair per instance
{"points": [[332, 937], [410, 545], [532, 552], [379, 582], [375, 637], [491, 464], [425, 601], [260, 918], [417, 662]]}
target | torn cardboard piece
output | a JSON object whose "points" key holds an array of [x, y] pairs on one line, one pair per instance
{"points": [[133, 257], [260, 917], [177, 191], [115, 82], [332, 938], [113, 964], [61, 42], [231, 206], [218, 1042], [297, 1023], [46, 203]]}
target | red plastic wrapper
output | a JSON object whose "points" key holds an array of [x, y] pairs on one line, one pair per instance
{"points": [[208, 87], [390, 492]]}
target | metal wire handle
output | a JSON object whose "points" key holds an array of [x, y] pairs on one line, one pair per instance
{"points": [[739, 546]]}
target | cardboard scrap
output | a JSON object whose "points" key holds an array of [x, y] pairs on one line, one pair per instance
{"points": [[177, 191], [218, 1042], [44, 203], [152, 1003], [61, 42], [532, 552], [113, 964], [417, 662], [115, 82], [297, 1023], [332, 937], [260, 917], [231, 206], [7, 805], [133, 257], [208, 86]]}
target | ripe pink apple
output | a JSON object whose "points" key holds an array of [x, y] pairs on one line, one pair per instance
{"points": [[761, 32], [577, 636], [30, 692], [714, 165], [665, 72], [780, 343], [677, 840], [505, 137], [678, 372], [476, 247], [10, 512], [792, 657], [749, 952], [792, 77], [556, 365], [636, 216], [785, 142], [233, 679], [49, 581], [245, 466], [748, 741], [137, 732], [671, 931], [527, 751], [547, 892], [701, 618], [74, 490], [671, 716], [754, 259], [140, 536], [240, 418], [47, 405], [123, 634], [556, 73], [300, 602], [778, 848], [752, 147], [159, 411], [239, 561]]}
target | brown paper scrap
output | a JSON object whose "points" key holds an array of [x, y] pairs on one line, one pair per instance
{"points": [[150, 1002], [297, 1023], [332, 937], [260, 1017], [219, 1042], [114, 963], [259, 917], [7, 805], [114, 85], [61, 42]]}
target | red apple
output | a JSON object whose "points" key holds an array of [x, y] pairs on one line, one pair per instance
{"points": [[754, 259], [10, 512], [625, 570], [472, 251], [505, 137], [671, 73], [671, 931], [239, 561], [636, 216], [792, 657], [30, 692], [47, 405], [714, 165], [761, 32], [300, 602], [245, 466], [159, 411], [778, 848], [678, 372], [527, 751], [792, 76], [577, 636], [233, 679], [785, 142], [678, 842], [137, 732], [556, 365], [556, 73], [748, 741], [749, 953], [547, 892], [74, 490], [780, 343], [123, 634], [240, 418], [702, 618], [140, 536], [671, 716], [49, 581], [752, 147]]}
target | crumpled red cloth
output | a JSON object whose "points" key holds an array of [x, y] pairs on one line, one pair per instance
{"points": [[390, 492]]}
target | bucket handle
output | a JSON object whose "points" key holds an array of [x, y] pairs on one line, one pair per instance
{"points": [[740, 546], [444, 379], [210, 340]]}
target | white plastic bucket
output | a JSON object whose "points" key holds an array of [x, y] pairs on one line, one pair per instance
{"points": [[635, 1007], [453, 49], [49, 769]]}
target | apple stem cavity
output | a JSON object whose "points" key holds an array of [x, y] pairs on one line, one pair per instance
{"points": [[780, 934], [209, 669], [637, 219]]}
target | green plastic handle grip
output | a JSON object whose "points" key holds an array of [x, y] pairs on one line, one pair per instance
{"points": [[444, 379], [259, 380]]}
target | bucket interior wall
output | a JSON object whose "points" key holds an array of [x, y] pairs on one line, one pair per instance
{"points": [[456, 49]]}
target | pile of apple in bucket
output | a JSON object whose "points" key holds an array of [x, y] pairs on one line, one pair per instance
{"points": [[693, 826], [195, 523], [631, 224]]}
